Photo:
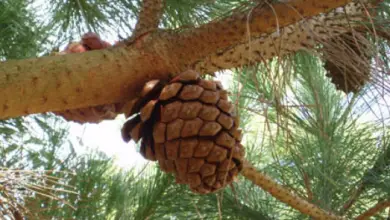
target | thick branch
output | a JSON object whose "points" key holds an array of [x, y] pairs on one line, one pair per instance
{"points": [[113, 75], [78, 80], [285, 195], [149, 16], [195, 44], [303, 35]]}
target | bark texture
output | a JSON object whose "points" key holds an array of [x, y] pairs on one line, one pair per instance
{"points": [[302, 35], [285, 195], [74, 81], [195, 44], [116, 74]]}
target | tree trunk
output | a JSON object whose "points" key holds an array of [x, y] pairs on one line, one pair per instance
{"points": [[116, 74]]}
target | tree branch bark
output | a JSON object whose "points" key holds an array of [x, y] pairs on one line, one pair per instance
{"points": [[149, 16], [284, 195], [77, 80], [303, 35], [116, 74], [195, 44]]}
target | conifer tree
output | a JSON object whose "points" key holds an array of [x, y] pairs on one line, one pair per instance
{"points": [[309, 81]]}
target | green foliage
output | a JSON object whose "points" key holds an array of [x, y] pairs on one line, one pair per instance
{"points": [[315, 140], [68, 20], [82, 16], [179, 13], [20, 34], [241, 202]]}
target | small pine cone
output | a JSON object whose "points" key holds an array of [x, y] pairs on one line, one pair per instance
{"points": [[189, 127], [349, 77]]}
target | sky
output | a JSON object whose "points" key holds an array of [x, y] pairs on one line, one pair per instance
{"points": [[106, 136]]}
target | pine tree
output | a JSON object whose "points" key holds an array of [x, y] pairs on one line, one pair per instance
{"points": [[323, 159]]}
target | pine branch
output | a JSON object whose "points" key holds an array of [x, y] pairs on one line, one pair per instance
{"points": [[149, 16], [284, 195], [18, 185], [261, 22], [353, 198], [78, 80], [374, 210], [303, 35], [307, 183]]}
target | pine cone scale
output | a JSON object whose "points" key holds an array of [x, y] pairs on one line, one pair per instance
{"points": [[190, 128]]}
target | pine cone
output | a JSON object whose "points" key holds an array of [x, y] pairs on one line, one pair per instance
{"points": [[349, 77], [189, 127]]}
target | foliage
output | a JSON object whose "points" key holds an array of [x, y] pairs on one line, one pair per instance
{"points": [[316, 141], [19, 30]]}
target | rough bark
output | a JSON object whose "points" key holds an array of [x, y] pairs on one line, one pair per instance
{"points": [[74, 81], [115, 74], [195, 44], [285, 195]]}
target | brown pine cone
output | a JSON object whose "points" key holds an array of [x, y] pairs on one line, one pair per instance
{"points": [[189, 127], [95, 114], [352, 76]]}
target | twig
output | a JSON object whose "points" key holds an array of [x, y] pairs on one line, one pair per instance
{"points": [[374, 210], [219, 206], [353, 198], [306, 180], [284, 195], [376, 170], [149, 16], [197, 210]]}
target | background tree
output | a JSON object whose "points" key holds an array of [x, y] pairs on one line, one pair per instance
{"points": [[326, 147]]}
